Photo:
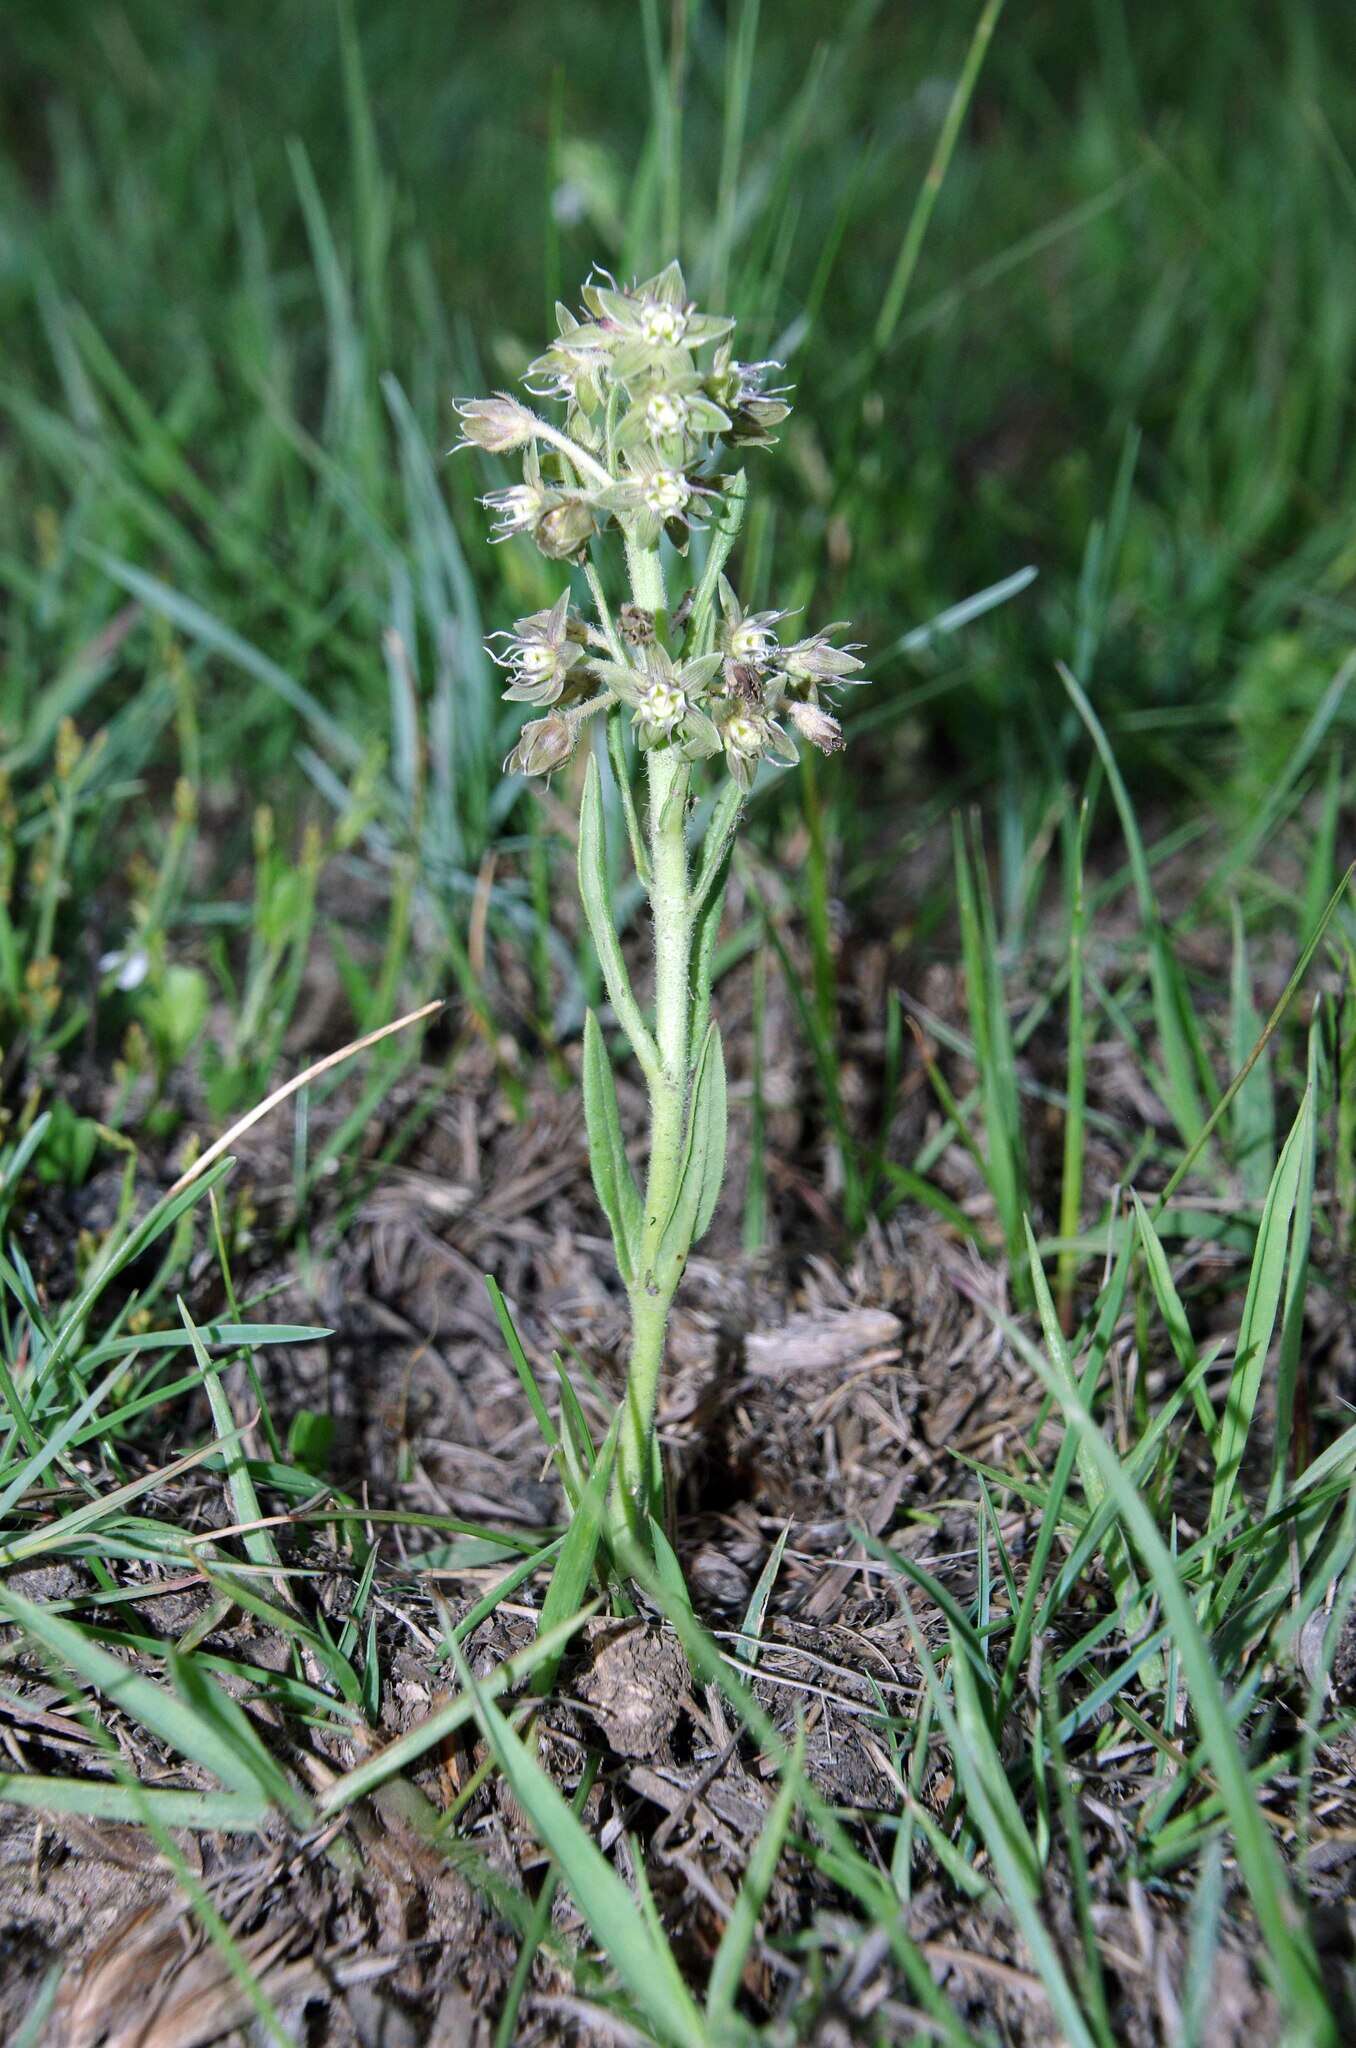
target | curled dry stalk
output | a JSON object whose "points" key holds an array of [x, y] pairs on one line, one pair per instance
{"points": [[652, 399]]}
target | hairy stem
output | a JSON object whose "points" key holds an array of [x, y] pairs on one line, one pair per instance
{"points": [[671, 901]]}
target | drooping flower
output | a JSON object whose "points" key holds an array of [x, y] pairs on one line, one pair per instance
{"points": [[561, 522], [741, 391], [816, 661], [499, 424], [817, 726], [544, 744]]}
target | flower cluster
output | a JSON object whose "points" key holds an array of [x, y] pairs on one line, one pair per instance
{"points": [[652, 394], [650, 388], [747, 699]]}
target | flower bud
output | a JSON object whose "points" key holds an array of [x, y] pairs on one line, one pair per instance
{"points": [[499, 424], [818, 727], [564, 531], [543, 745]]}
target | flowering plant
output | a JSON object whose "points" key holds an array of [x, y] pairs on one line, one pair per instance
{"points": [[652, 399]]}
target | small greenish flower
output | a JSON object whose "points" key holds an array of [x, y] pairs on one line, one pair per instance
{"points": [[740, 390], [540, 653], [657, 313], [565, 528], [517, 509], [665, 414], [654, 497], [560, 522], [748, 736], [662, 706], [666, 492], [572, 368], [747, 638], [499, 424], [817, 661]]}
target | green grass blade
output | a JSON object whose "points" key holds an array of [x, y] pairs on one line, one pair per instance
{"points": [[1261, 1308], [647, 1967]]}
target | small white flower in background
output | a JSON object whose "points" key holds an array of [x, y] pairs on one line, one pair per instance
{"points": [[129, 966]]}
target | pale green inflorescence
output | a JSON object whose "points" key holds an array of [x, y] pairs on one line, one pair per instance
{"points": [[652, 399], [652, 394]]}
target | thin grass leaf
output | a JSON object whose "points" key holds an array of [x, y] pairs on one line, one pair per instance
{"points": [[646, 1967], [141, 1698], [751, 1629], [445, 1720], [93, 1799], [1290, 1960], [727, 1971], [574, 1566], [1252, 1119], [992, 1811], [1173, 1014], [1261, 1308]]}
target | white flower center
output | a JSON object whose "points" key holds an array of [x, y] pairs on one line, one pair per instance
{"points": [[661, 705], [666, 413], [666, 492], [749, 642], [536, 659], [743, 735], [663, 324]]}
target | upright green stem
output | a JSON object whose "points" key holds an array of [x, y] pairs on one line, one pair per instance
{"points": [[672, 908]]}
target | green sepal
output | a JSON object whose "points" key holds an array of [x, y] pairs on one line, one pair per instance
{"points": [[613, 1181]]}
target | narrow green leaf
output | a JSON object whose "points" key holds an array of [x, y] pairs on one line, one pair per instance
{"points": [[98, 1799], [613, 1181], [1252, 1119], [727, 1971], [596, 895], [646, 1967], [259, 1544], [1178, 1082], [703, 1167], [435, 1728], [1261, 1307], [141, 1698], [751, 1630], [574, 1566], [1292, 1965], [1173, 1314]]}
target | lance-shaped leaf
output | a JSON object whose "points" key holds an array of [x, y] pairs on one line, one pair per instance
{"points": [[596, 893], [613, 1181], [703, 1166]]}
